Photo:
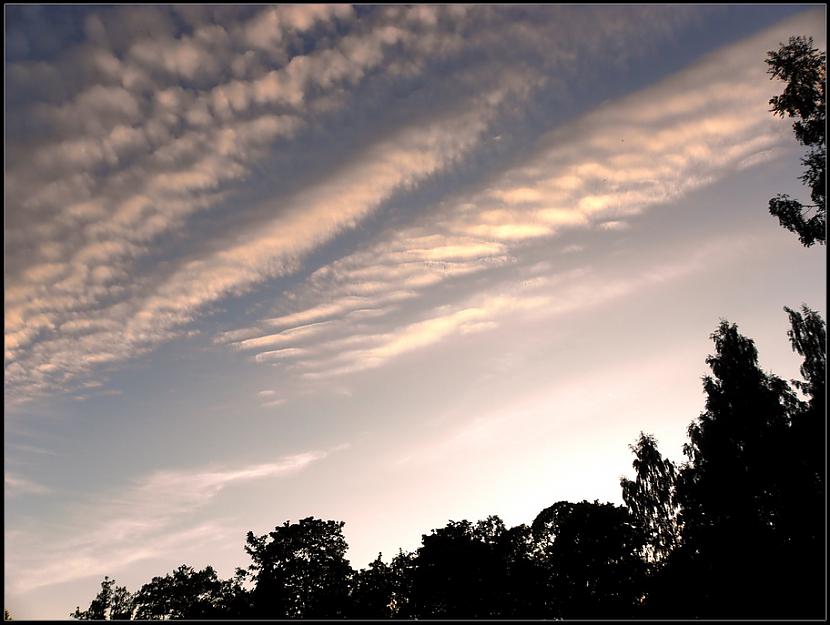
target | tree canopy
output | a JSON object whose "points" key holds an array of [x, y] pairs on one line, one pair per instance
{"points": [[651, 499], [804, 70], [300, 570]]}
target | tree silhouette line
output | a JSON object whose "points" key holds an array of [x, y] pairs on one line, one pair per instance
{"points": [[735, 531]]}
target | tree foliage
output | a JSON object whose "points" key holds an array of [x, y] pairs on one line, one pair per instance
{"points": [[804, 69], [300, 570], [751, 500], [592, 555], [730, 491], [373, 590], [187, 594], [476, 570], [651, 498], [111, 603]]}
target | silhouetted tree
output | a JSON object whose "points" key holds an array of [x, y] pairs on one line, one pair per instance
{"points": [[188, 594], [651, 499], [728, 492], [402, 570], [111, 603], [809, 339], [476, 570], [455, 574], [804, 68], [300, 570], [524, 591], [372, 591], [802, 530], [592, 553], [739, 493]]}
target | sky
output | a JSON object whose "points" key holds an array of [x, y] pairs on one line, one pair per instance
{"points": [[390, 265]]}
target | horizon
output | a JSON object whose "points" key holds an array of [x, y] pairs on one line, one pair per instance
{"points": [[387, 265]]}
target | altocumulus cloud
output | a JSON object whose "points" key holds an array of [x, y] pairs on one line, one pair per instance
{"points": [[151, 120]]}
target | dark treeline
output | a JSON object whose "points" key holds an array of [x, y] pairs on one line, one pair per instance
{"points": [[735, 531]]}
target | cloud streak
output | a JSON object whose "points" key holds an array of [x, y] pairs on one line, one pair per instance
{"points": [[18, 485], [151, 517]]}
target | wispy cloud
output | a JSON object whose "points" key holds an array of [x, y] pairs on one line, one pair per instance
{"points": [[150, 517], [33, 449], [273, 403], [539, 292], [18, 485]]}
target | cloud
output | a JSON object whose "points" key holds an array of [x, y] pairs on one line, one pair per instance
{"points": [[18, 485], [279, 354], [543, 292], [169, 153], [321, 311], [614, 225], [285, 337], [131, 152], [271, 404], [32, 449], [267, 29], [153, 516], [597, 172], [306, 221]]}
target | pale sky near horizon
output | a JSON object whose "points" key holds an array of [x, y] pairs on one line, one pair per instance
{"points": [[381, 264]]}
